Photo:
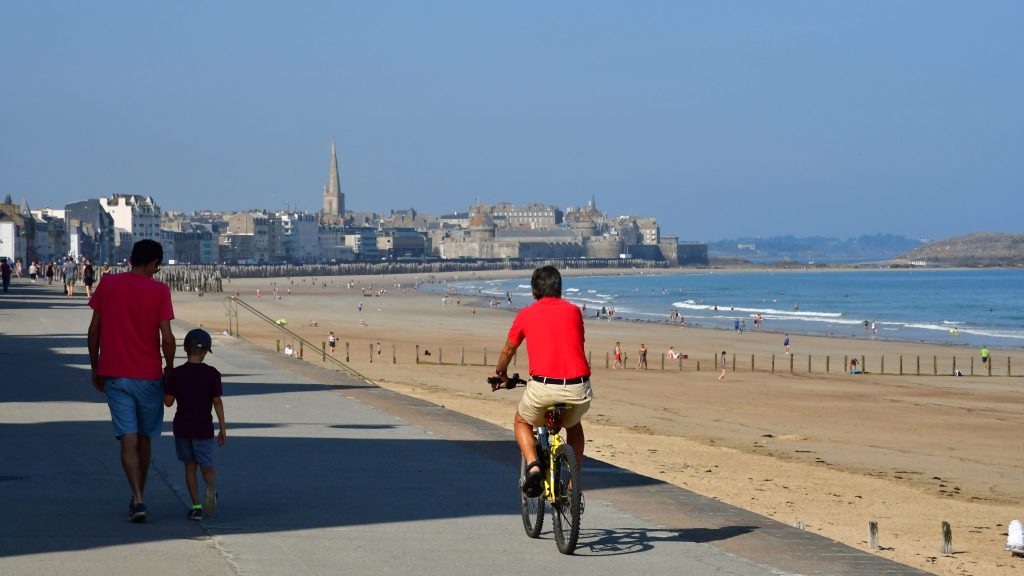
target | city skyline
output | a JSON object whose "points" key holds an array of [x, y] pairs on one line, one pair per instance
{"points": [[726, 120]]}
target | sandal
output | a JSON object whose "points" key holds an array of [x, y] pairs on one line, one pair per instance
{"points": [[533, 483]]}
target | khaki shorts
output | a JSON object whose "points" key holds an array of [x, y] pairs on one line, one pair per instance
{"points": [[538, 397]]}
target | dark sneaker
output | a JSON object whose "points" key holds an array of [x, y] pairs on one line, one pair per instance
{"points": [[195, 514], [138, 513], [210, 505]]}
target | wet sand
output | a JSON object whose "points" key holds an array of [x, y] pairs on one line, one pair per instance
{"points": [[833, 451]]}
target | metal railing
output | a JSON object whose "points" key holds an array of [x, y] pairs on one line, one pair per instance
{"points": [[232, 304]]}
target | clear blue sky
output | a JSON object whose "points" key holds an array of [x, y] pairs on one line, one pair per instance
{"points": [[720, 118]]}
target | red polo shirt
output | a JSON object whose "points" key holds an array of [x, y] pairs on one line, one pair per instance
{"points": [[131, 307], [553, 330]]}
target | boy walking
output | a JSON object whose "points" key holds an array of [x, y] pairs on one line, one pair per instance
{"points": [[197, 388]]}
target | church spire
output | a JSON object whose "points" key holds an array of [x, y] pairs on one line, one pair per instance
{"points": [[334, 200]]}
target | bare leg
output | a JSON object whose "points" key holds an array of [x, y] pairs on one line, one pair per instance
{"points": [[576, 439], [209, 476], [145, 452], [132, 470], [192, 482], [525, 439]]}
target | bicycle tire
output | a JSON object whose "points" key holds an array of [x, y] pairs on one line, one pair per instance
{"points": [[567, 507], [532, 509]]}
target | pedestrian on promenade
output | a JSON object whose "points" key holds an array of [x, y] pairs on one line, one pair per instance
{"points": [[49, 273], [68, 271], [785, 342], [721, 366], [5, 273], [88, 277], [196, 386], [131, 323], [642, 357]]}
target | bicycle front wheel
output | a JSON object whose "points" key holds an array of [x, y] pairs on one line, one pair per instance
{"points": [[568, 506], [532, 509]]}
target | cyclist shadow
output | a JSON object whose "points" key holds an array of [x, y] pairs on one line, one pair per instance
{"points": [[620, 541]]}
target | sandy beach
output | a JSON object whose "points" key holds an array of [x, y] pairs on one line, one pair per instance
{"points": [[830, 450]]}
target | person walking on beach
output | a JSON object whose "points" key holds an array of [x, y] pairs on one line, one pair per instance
{"points": [[642, 357], [130, 326], [554, 334], [721, 366], [865, 328], [332, 342], [984, 354], [785, 342], [618, 357], [874, 328], [196, 387]]}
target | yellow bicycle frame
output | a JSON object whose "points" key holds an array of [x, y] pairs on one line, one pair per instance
{"points": [[555, 441]]}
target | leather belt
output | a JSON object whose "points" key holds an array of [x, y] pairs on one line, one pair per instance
{"points": [[563, 381]]}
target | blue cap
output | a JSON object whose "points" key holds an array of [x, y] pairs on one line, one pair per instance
{"points": [[198, 339]]}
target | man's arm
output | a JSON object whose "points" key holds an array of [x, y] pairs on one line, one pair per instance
{"points": [[218, 407], [168, 400], [169, 345], [94, 350], [503, 360]]}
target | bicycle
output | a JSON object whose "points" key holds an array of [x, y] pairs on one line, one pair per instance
{"points": [[561, 478]]}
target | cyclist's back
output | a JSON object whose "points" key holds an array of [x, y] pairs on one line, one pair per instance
{"points": [[553, 330]]}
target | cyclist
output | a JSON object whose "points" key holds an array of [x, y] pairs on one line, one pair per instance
{"points": [[553, 330]]}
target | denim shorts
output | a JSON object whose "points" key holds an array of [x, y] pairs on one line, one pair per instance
{"points": [[136, 406], [198, 450]]}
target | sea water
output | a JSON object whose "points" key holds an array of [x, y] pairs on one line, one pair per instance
{"points": [[969, 307]]}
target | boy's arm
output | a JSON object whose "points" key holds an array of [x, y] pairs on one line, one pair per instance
{"points": [[218, 407]]}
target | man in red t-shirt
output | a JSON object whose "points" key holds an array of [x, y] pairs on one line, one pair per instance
{"points": [[131, 323], [553, 330]]}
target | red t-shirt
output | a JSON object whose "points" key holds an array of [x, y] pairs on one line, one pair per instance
{"points": [[553, 330], [131, 307]]}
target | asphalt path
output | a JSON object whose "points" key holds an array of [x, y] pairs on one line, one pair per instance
{"points": [[326, 474]]}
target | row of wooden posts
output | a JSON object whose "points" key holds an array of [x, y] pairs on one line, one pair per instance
{"points": [[377, 354], [947, 536]]}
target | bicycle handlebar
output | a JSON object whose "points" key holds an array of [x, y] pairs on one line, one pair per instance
{"points": [[513, 381]]}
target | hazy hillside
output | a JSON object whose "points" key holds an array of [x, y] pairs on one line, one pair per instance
{"points": [[814, 248], [982, 249]]}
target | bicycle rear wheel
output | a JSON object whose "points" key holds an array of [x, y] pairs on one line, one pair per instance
{"points": [[567, 507], [532, 509]]}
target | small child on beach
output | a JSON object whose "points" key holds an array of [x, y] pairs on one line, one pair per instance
{"points": [[196, 387]]}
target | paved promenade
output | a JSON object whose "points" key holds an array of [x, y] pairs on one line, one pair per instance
{"points": [[324, 474]]}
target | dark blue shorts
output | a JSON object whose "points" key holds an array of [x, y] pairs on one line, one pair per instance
{"points": [[199, 450]]}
